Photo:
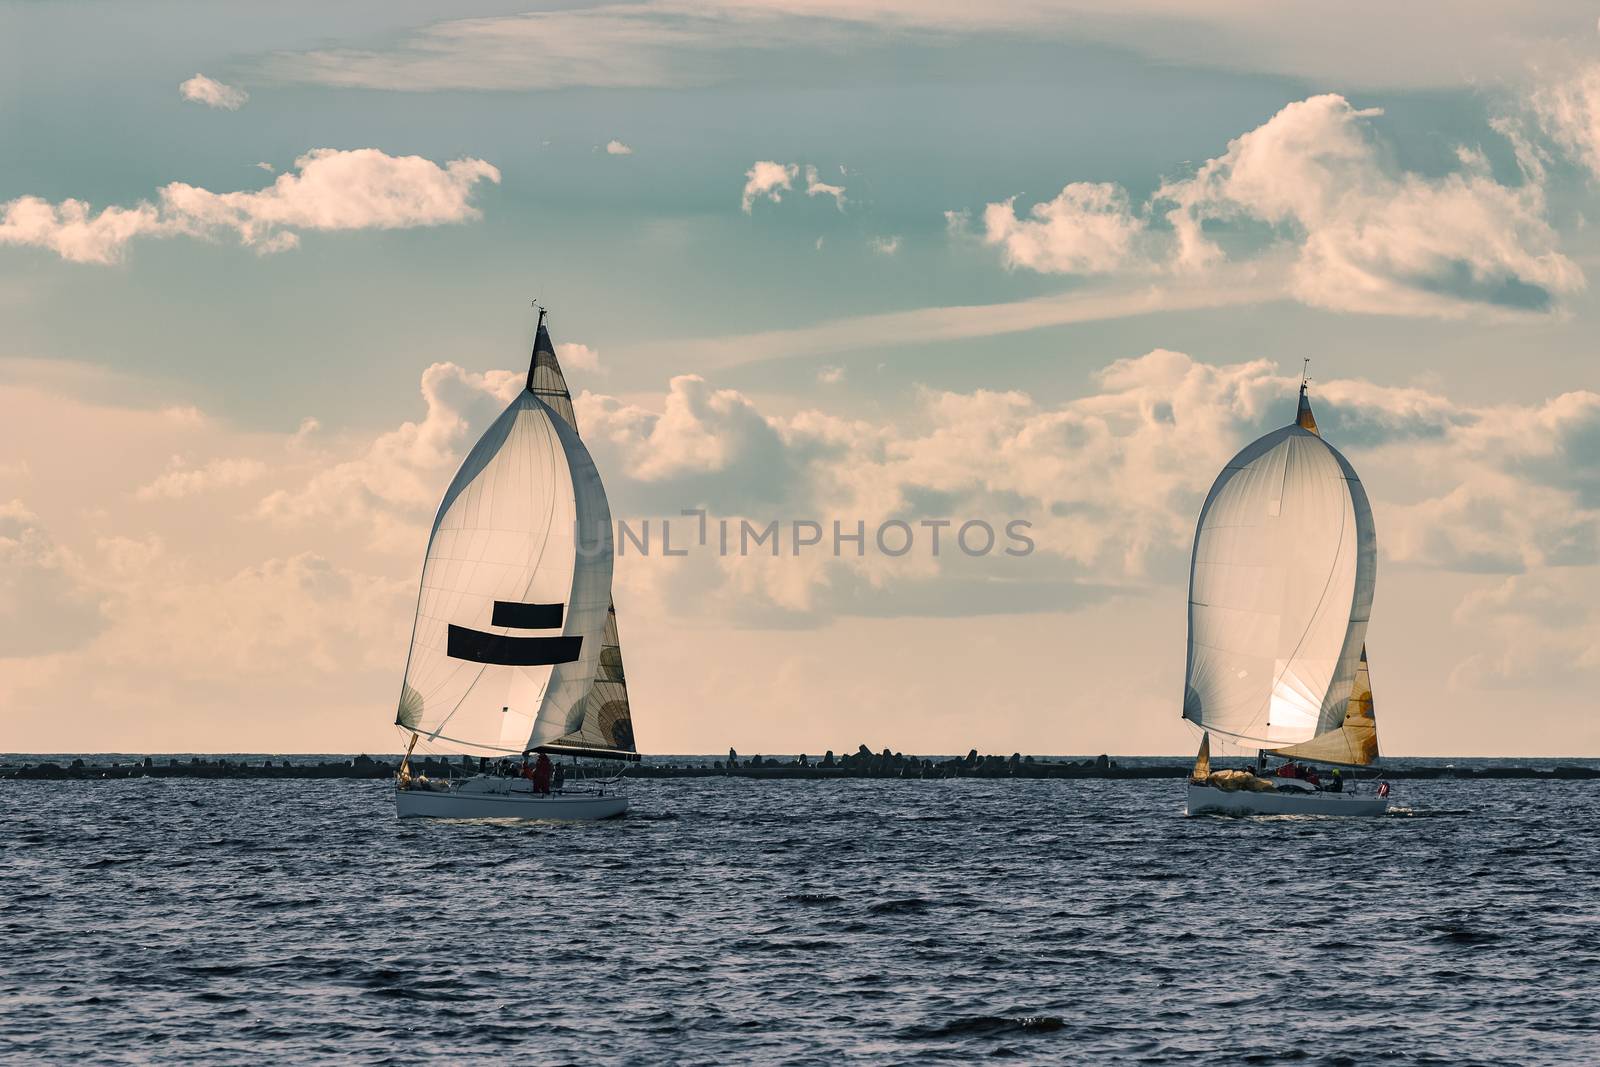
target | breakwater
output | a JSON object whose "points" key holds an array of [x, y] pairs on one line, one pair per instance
{"points": [[862, 763]]}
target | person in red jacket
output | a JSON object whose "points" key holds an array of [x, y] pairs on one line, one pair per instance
{"points": [[540, 776]]}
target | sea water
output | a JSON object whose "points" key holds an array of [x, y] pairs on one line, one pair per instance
{"points": [[728, 920]]}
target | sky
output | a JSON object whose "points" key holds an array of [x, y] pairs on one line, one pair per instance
{"points": [[267, 271]]}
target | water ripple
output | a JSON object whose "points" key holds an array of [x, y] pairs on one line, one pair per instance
{"points": [[727, 920]]}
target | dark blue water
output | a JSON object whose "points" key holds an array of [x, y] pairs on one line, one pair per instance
{"points": [[733, 921]]}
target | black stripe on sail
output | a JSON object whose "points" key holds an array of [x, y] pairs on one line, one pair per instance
{"points": [[527, 616], [479, 647], [582, 751]]}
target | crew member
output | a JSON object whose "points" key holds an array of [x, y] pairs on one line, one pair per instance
{"points": [[541, 775]]}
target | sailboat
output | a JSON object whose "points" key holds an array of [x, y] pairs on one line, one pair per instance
{"points": [[1280, 589], [515, 651]]}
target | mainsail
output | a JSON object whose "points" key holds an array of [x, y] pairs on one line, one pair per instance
{"points": [[514, 618], [1280, 590]]}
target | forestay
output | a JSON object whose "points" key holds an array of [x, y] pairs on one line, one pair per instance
{"points": [[1281, 586]]}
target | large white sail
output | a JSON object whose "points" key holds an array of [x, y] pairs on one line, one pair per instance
{"points": [[516, 589], [1280, 590]]}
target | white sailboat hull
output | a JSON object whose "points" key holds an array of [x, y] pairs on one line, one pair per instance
{"points": [[456, 803], [1209, 800]]}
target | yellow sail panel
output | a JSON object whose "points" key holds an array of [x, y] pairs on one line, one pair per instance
{"points": [[1303, 417], [1202, 762], [1356, 741]]}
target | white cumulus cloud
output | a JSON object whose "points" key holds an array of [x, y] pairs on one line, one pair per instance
{"points": [[617, 148], [766, 180], [575, 356], [1089, 228], [1367, 237], [212, 93], [330, 189], [1320, 194], [394, 481]]}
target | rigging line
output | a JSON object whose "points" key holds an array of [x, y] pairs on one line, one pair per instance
{"points": [[1326, 585]]}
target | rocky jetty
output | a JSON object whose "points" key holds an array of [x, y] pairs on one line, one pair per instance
{"points": [[862, 763]]}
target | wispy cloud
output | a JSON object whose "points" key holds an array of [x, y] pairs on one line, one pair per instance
{"points": [[675, 43], [1228, 286], [330, 190], [617, 148], [1568, 109], [886, 245], [212, 93], [815, 186], [182, 480], [46, 602]]}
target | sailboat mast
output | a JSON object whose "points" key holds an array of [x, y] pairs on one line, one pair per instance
{"points": [[533, 360]]}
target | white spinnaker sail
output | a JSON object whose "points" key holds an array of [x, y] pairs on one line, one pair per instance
{"points": [[513, 608], [1280, 590]]}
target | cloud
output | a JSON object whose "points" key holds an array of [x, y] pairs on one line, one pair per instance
{"points": [[700, 430], [1312, 188], [1227, 285], [69, 230], [46, 605], [1517, 490], [1089, 228], [574, 356], [830, 375], [301, 614], [1367, 238], [617, 148], [815, 186], [212, 93], [673, 43], [1118, 472], [766, 180], [1112, 480], [769, 180], [886, 246], [388, 489], [318, 594], [332, 190], [268, 167], [1540, 632], [1568, 110], [182, 480]]}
